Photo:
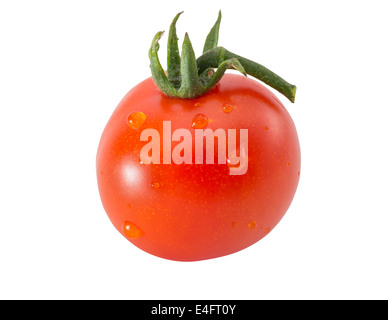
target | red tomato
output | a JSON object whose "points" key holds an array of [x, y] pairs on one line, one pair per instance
{"points": [[191, 212]]}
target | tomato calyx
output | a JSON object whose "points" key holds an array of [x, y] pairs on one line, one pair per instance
{"points": [[188, 77], [182, 79]]}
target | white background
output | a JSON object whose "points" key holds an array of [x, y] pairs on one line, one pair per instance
{"points": [[64, 67]]}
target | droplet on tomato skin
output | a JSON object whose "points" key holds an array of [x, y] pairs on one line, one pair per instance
{"points": [[233, 162], [155, 185], [288, 164], [234, 224], [227, 108], [252, 225], [266, 128], [238, 165], [267, 230], [199, 121], [131, 230], [136, 120]]}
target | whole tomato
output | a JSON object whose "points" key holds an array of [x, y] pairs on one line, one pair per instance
{"points": [[198, 177]]}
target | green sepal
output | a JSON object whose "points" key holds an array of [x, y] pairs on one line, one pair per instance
{"points": [[157, 71], [209, 78], [190, 85], [212, 38], [173, 57]]}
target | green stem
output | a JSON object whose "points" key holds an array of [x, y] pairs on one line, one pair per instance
{"points": [[214, 57]]}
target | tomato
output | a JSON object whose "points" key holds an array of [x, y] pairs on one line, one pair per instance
{"points": [[192, 211], [194, 163]]}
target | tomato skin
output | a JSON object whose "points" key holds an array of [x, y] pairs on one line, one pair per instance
{"points": [[192, 212]]}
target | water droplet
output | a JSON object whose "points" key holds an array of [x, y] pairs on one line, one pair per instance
{"points": [[288, 164], [267, 230], [234, 224], [200, 121], [233, 162], [227, 108], [252, 225], [237, 159], [266, 128], [155, 185], [136, 120], [131, 230]]}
